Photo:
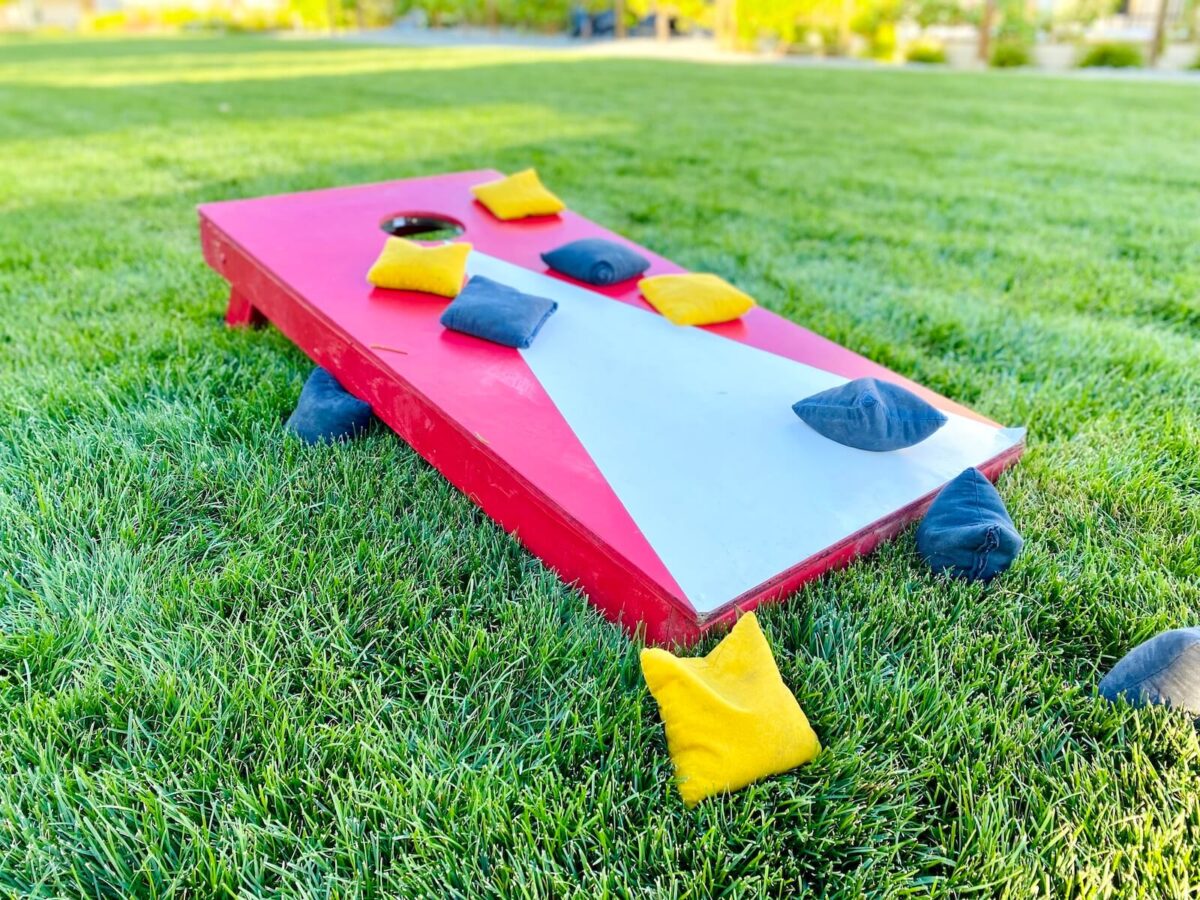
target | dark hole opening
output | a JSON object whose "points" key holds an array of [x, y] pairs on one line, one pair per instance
{"points": [[422, 226]]}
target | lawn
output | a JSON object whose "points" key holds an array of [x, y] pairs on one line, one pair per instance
{"points": [[231, 665]]}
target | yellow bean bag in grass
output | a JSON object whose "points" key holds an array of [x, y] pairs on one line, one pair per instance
{"points": [[518, 196], [695, 299], [729, 717], [408, 266]]}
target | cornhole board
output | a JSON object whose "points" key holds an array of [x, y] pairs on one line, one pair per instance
{"points": [[661, 469]]}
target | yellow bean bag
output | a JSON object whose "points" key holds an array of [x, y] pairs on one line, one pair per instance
{"points": [[695, 299], [518, 196], [729, 717], [408, 266]]}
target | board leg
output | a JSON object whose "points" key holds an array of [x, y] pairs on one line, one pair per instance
{"points": [[241, 312]]}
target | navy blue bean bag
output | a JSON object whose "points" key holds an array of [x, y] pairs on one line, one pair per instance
{"points": [[1163, 670], [596, 261], [327, 412], [967, 531], [496, 312], [870, 415]]}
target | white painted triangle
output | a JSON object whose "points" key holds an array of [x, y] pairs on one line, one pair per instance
{"points": [[696, 435]]}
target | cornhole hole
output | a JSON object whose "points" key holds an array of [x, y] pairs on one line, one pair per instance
{"points": [[659, 468]]}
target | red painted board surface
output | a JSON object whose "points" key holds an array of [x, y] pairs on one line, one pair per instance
{"points": [[475, 411]]}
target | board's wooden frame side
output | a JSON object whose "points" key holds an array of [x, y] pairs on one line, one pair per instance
{"points": [[617, 587]]}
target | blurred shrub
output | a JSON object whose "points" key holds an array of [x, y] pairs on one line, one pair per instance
{"points": [[929, 52], [437, 12], [1010, 53], [875, 20], [777, 19], [1013, 46], [106, 22], [173, 18], [537, 15], [1113, 55], [883, 41], [815, 24]]}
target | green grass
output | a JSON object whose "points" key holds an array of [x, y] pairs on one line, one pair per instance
{"points": [[230, 665]]}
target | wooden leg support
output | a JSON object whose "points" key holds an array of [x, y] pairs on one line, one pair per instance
{"points": [[241, 312]]}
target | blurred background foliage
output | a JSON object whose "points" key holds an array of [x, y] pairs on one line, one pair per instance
{"points": [[788, 25], [1004, 33]]}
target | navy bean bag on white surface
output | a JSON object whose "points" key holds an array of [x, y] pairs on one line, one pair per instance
{"points": [[869, 414], [495, 312]]}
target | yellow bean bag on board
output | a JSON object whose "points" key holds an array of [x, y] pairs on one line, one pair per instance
{"points": [[729, 717], [518, 196], [407, 266], [695, 299]]}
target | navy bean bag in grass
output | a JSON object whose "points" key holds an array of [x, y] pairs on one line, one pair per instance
{"points": [[868, 414], [967, 532], [596, 261], [1164, 670], [327, 412], [495, 312]]}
